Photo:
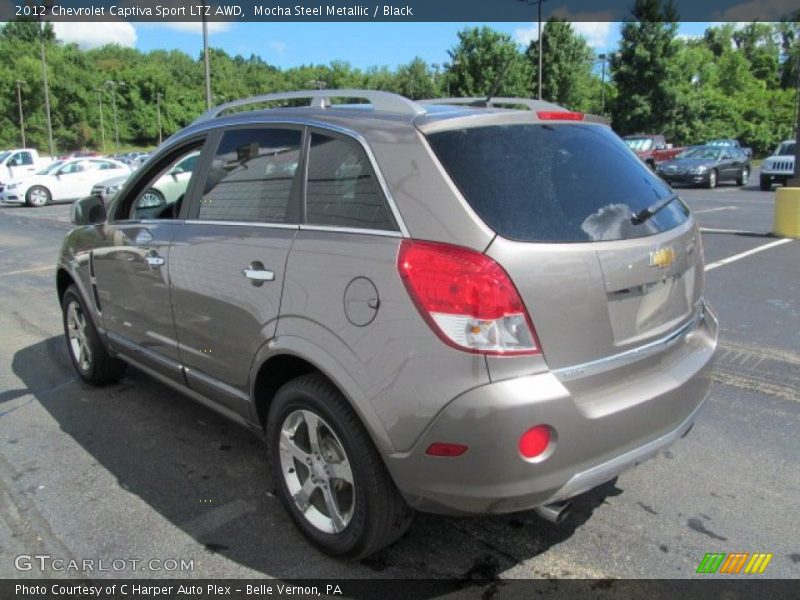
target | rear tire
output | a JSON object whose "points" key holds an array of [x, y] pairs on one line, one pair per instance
{"points": [[744, 177], [88, 354], [347, 519], [38, 196]]}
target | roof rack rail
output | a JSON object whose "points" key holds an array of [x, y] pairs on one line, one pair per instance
{"points": [[528, 103], [381, 101], [479, 101]]}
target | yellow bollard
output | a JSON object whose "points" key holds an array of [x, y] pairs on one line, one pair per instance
{"points": [[787, 212]]}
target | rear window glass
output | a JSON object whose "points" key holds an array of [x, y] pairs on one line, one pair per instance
{"points": [[555, 183]]}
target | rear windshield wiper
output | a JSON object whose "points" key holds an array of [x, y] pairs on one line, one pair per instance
{"points": [[646, 213]]}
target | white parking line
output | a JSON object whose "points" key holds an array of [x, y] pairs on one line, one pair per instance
{"points": [[33, 270], [735, 257], [708, 210]]}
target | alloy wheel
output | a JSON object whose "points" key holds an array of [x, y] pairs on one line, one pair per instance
{"points": [[316, 471], [38, 197], [78, 344]]}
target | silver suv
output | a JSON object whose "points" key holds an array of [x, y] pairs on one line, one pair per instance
{"points": [[448, 307]]}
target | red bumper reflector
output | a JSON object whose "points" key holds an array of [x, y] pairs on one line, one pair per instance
{"points": [[443, 449], [534, 441]]}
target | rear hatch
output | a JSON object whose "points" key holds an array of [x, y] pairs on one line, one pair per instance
{"points": [[561, 197]]}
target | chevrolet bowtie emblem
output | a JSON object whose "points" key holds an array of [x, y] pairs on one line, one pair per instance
{"points": [[662, 258]]}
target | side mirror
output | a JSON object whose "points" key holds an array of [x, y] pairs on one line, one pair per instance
{"points": [[12, 163], [88, 211]]}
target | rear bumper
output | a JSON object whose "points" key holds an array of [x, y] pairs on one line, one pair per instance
{"points": [[598, 433]]}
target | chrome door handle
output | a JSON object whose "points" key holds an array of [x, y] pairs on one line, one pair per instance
{"points": [[258, 274], [154, 260]]}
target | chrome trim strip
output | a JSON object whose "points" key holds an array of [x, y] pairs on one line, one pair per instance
{"points": [[378, 232], [629, 356], [241, 223], [599, 474]]}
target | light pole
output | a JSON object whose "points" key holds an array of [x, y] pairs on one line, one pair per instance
{"points": [[207, 64], [541, 35], [19, 83], [158, 112], [113, 85], [603, 58], [102, 124], [46, 91]]}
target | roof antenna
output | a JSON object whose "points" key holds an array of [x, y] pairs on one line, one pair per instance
{"points": [[496, 84]]}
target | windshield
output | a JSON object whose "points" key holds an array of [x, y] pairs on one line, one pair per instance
{"points": [[4, 155], [555, 183], [785, 149], [639, 144], [51, 168], [702, 153]]}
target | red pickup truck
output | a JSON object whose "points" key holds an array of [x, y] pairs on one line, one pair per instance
{"points": [[652, 149]]}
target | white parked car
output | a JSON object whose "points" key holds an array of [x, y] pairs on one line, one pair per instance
{"points": [[21, 162], [62, 180]]}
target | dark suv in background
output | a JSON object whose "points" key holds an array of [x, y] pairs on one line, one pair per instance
{"points": [[448, 307]]}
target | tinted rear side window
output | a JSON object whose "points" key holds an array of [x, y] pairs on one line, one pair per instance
{"points": [[341, 189], [252, 176], [554, 183]]}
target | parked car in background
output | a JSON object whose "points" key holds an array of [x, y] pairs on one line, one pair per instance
{"points": [[731, 143], [80, 154], [108, 188], [20, 162], [706, 165], [652, 149], [62, 180], [779, 166], [167, 189], [504, 314]]}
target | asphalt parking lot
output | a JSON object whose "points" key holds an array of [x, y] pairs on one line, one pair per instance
{"points": [[135, 471]]}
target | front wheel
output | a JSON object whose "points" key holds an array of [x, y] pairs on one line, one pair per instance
{"points": [[38, 196], [744, 176], [329, 475], [711, 183], [765, 184], [89, 357]]}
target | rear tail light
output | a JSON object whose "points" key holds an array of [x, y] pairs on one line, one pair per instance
{"points": [[466, 298], [559, 115]]}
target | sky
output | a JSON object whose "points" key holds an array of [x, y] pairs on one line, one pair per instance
{"points": [[290, 44]]}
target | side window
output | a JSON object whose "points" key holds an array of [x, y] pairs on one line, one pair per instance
{"points": [[161, 195], [341, 189], [252, 176], [25, 158], [74, 167]]}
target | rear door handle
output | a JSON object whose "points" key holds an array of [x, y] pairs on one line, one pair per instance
{"points": [[259, 274], [155, 260]]}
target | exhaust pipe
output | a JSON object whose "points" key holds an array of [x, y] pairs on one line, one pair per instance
{"points": [[555, 513]]}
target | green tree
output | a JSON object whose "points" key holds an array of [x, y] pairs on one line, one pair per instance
{"points": [[415, 80], [483, 57], [566, 65], [644, 73]]}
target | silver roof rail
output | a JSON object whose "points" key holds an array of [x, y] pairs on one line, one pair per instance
{"points": [[381, 101], [528, 103], [479, 101]]}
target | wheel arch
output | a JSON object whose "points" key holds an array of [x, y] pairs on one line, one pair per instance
{"points": [[278, 366], [63, 281]]}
